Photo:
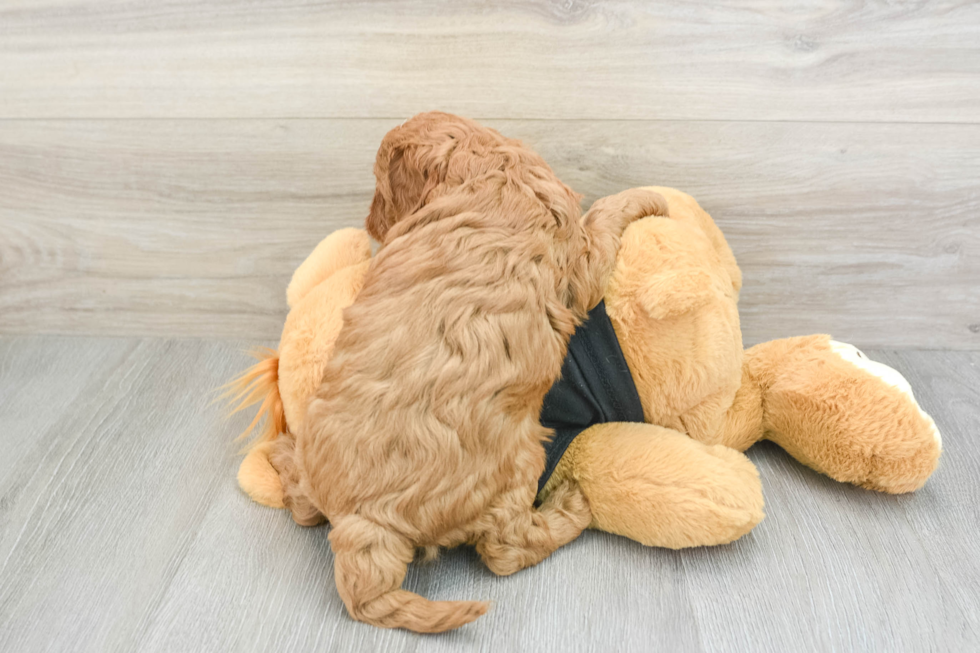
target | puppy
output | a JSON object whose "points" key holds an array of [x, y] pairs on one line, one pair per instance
{"points": [[424, 432]]}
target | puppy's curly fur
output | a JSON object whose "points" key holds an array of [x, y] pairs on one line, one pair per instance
{"points": [[424, 432]]}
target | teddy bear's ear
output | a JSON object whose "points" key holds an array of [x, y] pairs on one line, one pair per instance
{"points": [[675, 292]]}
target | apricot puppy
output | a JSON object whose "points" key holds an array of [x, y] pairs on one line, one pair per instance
{"points": [[424, 432]]}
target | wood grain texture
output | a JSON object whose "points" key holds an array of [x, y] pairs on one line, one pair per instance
{"points": [[815, 60], [122, 529], [192, 228]]}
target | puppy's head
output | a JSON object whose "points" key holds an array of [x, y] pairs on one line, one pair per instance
{"points": [[414, 160]]}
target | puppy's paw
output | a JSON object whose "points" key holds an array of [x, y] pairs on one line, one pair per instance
{"points": [[644, 202], [282, 459], [569, 500]]}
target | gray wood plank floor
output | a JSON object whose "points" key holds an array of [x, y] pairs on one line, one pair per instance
{"points": [[122, 529]]}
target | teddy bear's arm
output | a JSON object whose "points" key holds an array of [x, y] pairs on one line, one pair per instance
{"points": [[604, 225], [684, 208], [666, 268], [341, 249]]}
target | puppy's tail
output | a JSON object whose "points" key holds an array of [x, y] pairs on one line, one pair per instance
{"points": [[259, 383], [369, 565]]}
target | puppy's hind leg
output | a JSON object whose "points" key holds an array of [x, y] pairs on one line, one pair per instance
{"points": [[294, 496], [521, 536], [369, 567], [604, 224]]}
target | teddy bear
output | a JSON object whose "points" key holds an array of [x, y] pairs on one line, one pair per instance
{"points": [[673, 472]]}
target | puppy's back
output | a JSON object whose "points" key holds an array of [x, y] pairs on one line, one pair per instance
{"points": [[447, 351]]}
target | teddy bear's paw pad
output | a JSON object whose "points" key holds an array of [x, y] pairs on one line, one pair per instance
{"points": [[888, 375]]}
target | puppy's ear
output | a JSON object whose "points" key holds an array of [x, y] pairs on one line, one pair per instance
{"points": [[378, 222], [405, 176]]}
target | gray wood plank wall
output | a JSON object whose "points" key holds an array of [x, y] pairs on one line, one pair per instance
{"points": [[165, 165]]}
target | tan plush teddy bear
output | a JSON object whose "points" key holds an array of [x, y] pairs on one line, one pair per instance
{"points": [[678, 478]]}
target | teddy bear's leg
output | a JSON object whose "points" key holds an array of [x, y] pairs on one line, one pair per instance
{"points": [[839, 412], [661, 488]]}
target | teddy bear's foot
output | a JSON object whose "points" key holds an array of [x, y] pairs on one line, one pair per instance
{"points": [[259, 479], [906, 468], [849, 417], [660, 487], [889, 375]]}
